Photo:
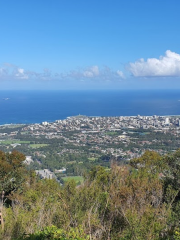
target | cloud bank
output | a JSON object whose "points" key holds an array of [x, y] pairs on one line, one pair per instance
{"points": [[165, 66], [12, 72], [95, 73]]}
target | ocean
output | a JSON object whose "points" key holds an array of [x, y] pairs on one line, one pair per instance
{"points": [[38, 106]]}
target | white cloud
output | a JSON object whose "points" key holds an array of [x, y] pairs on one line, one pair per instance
{"points": [[20, 74], [120, 74], [91, 72], [9, 72], [165, 66], [2, 72], [95, 70], [88, 74]]}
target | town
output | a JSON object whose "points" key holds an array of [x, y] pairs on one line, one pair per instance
{"points": [[77, 143]]}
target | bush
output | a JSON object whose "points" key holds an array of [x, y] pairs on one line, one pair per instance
{"points": [[53, 233]]}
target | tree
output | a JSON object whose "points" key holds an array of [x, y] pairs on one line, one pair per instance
{"points": [[150, 160], [11, 174]]}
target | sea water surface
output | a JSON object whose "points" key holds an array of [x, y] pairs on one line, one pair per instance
{"points": [[37, 106]]}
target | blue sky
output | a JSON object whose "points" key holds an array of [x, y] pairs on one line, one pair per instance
{"points": [[109, 44]]}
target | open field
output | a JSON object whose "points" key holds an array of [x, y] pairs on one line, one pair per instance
{"points": [[38, 145], [92, 159], [8, 142], [77, 179]]}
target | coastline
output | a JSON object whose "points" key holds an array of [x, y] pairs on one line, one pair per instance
{"points": [[77, 116]]}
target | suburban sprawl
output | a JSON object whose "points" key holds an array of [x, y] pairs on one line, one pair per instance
{"points": [[71, 146]]}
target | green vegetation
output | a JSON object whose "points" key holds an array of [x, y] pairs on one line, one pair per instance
{"points": [[77, 179], [11, 171], [52, 232], [7, 142], [111, 133], [137, 201], [92, 159]]}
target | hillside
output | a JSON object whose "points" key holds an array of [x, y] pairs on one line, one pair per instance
{"points": [[137, 201]]}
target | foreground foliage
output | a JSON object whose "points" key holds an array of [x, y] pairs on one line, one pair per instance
{"points": [[54, 233], [137, 201]]}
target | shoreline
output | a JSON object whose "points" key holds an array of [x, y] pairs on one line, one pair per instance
{"points": [[84, 116]]}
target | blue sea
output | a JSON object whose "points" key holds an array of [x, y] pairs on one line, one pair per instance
{"points": [[38, 106]]}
